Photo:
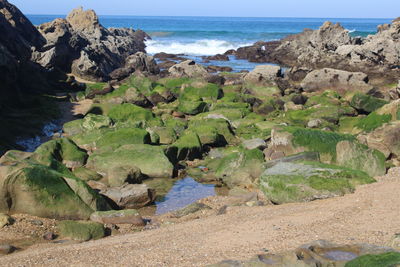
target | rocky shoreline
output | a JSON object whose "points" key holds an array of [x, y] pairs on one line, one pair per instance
{"points": [[318, 130]]}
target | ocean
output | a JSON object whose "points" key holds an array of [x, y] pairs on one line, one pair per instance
{"points": [[200, 36]]}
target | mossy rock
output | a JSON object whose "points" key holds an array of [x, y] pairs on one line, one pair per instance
{"points": [[178, 125], [230, 114], [249, 120], [62, 150], [166, 135], [86, 174], [73, 127], [93, 121], [360, 157], [263, 92], [42, 191], [366, 103], [209, 91], [330, 114], [348, 125], [373, 121], [392, 109], [119, 175], [187, 147], [389, 259], [216, 132], [237, 166], [130, 112], [151, 160], [293, 140], [301, 182], [192, 107], [91, 89], [88, 140], [229, 105], [119, 137], [81, 230]]}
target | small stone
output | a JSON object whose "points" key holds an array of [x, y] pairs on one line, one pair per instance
{"points": [[118, 217], [192, 208], [49, 236], [178, 114], [6, 249], [315, 123], [37, 222]]}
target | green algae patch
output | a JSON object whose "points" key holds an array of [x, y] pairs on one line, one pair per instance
{"points": [[306, 181], [130, 112], [389, 259], [81, 230], [317, 140], [124, 136], [366, 103], [188, 146], [373, 121]]}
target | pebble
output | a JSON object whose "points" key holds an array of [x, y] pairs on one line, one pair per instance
{"points": [[49, 236], [6, 249]]}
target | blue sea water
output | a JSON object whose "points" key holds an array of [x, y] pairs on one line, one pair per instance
{"points": [[198, 36]]}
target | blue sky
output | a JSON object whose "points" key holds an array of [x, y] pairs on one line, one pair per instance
{"points": [[234, 8]]}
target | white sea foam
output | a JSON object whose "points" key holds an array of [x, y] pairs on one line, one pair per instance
{"points": [[351, 31], [197, 48]]}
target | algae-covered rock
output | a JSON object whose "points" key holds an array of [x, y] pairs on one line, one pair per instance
{"points": [[293, 140], [216, 132], [119, 175], [386, 139], [373, 121], [130, 113], [192, 107], [28, 187], [151, 160], [388, 259], [192, 208], [366, 103], [86, 174], [120, 137], [73, 127], [359, 157], [300, 182], [187, 147], [209, 91], [167, 135], [392, 109], [118, 217], [63, 150], [239, 167], [92, 121], [81, 230]]}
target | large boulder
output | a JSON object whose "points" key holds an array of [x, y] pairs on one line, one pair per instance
{"points": [[81, 230], [333, 79], [264, 75], [45, 191], [188, 68], [386, 139], [130, 196], [137, 62], [151, 160], [81, 45], [300, 182], [359, 157]]}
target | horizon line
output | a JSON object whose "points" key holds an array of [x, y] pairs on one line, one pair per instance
{"points": [[206, 16]]}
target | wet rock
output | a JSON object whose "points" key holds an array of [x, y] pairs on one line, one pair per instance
{"points": [[118, 217], [130, 196], [188, 68], [192, 208], [258, 52], [217, 57], [214, 69]]}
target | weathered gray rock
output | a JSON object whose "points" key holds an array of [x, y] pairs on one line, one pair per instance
{"points": [[264, 75], [386, 139], [137, 62], [118, 217], [254, 143], [81, 45], [192, 208], [130, 196], [333, 79], [188, 68]]}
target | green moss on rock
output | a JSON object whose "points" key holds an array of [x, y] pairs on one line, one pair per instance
{"points": [[366, 103], [81, 230], [389, 259], [373, 121]]}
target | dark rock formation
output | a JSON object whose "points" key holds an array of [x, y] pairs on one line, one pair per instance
{"points": [[81, 45], [259, 52]]}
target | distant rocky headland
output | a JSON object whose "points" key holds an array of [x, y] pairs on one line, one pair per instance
{"points": [[318, 121]]}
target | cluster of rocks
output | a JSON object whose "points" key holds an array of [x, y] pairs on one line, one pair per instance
{"points": [[324, 253], [332, 46]]}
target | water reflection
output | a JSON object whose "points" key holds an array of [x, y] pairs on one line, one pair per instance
{"points": [[183, 193]]}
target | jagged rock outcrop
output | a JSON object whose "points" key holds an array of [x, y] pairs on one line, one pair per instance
{"points": [[137, 62], [332, 46], [188, 68], [18, 35], [81, 45]]}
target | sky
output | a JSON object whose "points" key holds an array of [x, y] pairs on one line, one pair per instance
{"points": [[230, 8]]}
